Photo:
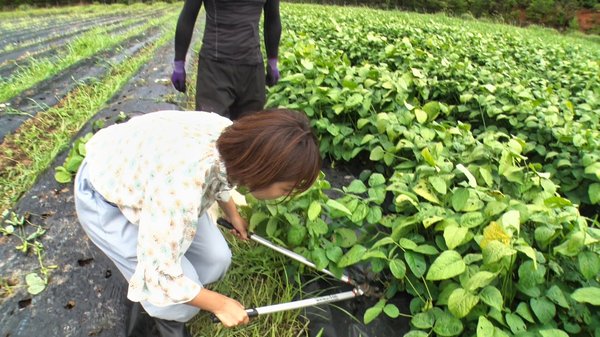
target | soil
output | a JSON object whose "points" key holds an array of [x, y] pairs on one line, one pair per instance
{"points": [[588, 19]]}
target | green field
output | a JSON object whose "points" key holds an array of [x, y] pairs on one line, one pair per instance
{"points": [[475, 149]]}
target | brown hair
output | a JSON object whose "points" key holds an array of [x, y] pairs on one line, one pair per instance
{"points": [[270, 146]]}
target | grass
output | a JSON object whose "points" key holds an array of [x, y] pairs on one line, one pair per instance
{"points": [[31, 149], [256, 278], [82, 47]]}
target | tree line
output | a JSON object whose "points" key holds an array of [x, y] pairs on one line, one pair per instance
{"points": [[560, 14]]}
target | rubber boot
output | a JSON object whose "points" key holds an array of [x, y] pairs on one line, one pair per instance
{"points": [[171, 328], [139, 323]]}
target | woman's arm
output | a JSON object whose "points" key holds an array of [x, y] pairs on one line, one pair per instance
{"points": [[229, 311]]}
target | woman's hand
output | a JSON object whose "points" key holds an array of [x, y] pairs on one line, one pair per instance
{"points": [[232, 215], [231, 313], [241, 227]]}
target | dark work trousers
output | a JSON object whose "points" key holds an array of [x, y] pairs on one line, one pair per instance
{"points": [[230, 90]]}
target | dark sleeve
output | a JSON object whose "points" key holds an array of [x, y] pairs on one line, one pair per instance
{"points": [[272, 28], [185, 27]]}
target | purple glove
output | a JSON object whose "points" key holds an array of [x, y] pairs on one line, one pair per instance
{"points": [[272, 72], [178, 76]]}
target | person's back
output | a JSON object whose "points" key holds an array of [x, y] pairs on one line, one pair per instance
{"points": [[231, 34]]}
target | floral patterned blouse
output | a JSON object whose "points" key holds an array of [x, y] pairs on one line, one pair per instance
{"points": [[163, 171]]}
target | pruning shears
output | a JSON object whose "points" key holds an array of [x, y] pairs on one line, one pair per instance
{"points": [[358, 290]]}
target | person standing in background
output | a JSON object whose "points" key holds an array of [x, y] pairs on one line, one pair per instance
{"points": [[231, 72]]}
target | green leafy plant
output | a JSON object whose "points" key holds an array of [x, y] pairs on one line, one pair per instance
{"points": [[476, 157], [65, 173], [14, 225]]}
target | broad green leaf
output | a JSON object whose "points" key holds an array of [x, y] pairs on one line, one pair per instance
{"points": [[432, 109], [416, 263], [345, 237], [511, 220], [271, 226], [495, 250], [307, 64], [423, 320], [374, 254], [62, 176], [428, 157], [543, 309], [376, 179], [73, 163], [491, 296], [479, 280], [314, 210], [360, 213], [572, 246], [530, 252], [318, 227], [447, 325], [256, 219], [398, 268], [515, 323], [485, 328], [487, 176], [589, 295], [593, 169], [556, 295], [461, 302], [319, 257], [460, 198], [471, 219], [553, 333], [354, 255], [445, 266], [377, 153], [295, 235], [421, 115], [407, 244], [35, 284], [589, 264], [374, 215], [431, 220], [334, 253], [371, 314], [438, 184], [391, 310], [423, 191], [530, 275], [356, 187], [426, 250], [454, 236], [523, 310], [594, 193], [557, 202], [338, 206]]}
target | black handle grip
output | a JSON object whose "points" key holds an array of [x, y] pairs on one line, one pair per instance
{"points": [[251, 313], [225, 223]]}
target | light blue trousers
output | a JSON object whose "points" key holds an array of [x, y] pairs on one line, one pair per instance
{"points": [[205, 262]]}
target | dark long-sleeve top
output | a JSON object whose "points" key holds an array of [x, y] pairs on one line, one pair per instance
{"points": [[231, 32]]}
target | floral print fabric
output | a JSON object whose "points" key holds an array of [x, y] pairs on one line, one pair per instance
{"points": [[163, 171]]}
